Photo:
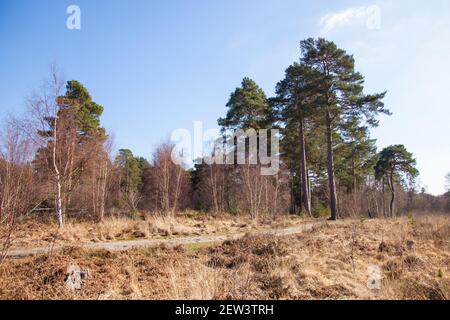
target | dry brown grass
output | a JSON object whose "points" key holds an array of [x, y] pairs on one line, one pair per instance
{"points": [[31, 233], [329, 262]]}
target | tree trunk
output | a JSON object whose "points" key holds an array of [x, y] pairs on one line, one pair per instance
{"points": [[177, 192], [275, 202], [354, 184], [383, 197], [69, 176], [392, 204], [292, 190], [291, 196], [330, 169], [59, 210], [309, 190], [305, 191], [213, 180]]}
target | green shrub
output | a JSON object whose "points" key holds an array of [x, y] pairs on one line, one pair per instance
{"points": [[320, 210]]}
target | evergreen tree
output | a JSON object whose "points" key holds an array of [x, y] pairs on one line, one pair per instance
{"points": [[88, 112], [293, 100], [69, 133], [248, 108], [357, 153], [132, 172], [395, 165], [340, 97]]}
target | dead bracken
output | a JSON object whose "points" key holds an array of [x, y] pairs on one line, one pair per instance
{"points": [[254, 267]]}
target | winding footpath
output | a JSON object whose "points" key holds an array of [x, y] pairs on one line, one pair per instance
{"points": [[148, 243]]}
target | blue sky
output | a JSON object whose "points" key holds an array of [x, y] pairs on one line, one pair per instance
{"points": [[157, 66]]}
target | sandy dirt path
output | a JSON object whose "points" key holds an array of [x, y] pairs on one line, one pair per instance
{"points": [[144, 243]]}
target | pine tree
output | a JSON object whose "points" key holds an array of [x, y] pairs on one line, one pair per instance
{"points": [[69, 132], [248, 108], [340, 97], [87, 111], [293, 100], [132, 171], [357, 155], [395, 165]]}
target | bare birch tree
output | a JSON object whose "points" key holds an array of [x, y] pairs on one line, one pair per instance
{"points": [[169, 186], [42, 126], [17, 197]]}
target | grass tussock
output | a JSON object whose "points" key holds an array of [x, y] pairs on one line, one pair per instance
{"points": [[328, 262]]}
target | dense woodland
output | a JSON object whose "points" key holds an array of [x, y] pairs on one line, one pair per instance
{"points": [[57, 162]]}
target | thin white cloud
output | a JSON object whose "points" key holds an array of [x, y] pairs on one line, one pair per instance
{"points": [[369, 15]]}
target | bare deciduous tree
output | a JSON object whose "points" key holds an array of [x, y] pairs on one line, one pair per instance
{"points": [[17, 197], [42, 125], [101, 169], [169, 182]]}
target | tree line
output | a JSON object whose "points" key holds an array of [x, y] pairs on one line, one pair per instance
{"points": [[57, 161]]}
